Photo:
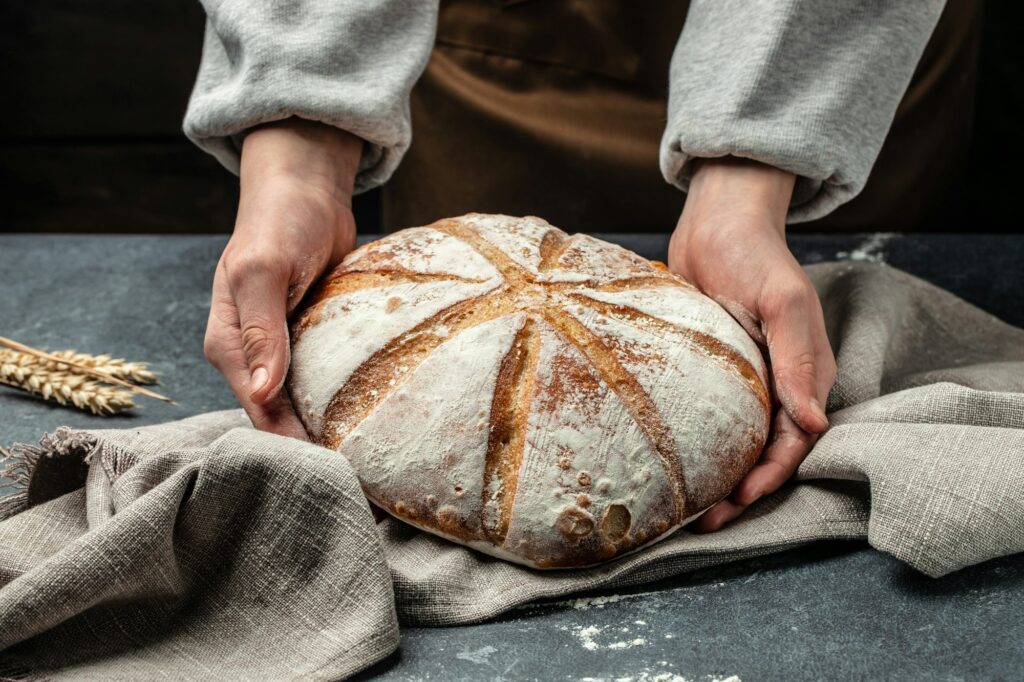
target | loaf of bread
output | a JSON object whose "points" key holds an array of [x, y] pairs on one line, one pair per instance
{"points": [[549, 399]]}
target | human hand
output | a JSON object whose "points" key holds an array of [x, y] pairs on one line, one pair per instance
{"points": [[294, 221], [730, 242]]}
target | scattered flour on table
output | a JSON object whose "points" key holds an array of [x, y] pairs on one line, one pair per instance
{"points": [[599, 602], [587, 637], [648, 676], [585, 603], [479, 656], [870, 250]]}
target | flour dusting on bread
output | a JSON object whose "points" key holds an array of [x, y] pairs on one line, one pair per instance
{"points": [[551, 399]]}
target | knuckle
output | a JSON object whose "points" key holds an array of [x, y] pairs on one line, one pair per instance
{"points": [[788, 296], [212, 349], [798, 364], [241, 264], [258, 339]]}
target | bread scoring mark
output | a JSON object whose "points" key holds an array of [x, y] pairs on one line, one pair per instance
{"points": [[506, 439], [638, 283], [512, 272], [354, 280], [389, 367], [348, 282], [721, 354], [655, 281], [552, 246], [633, 396]]}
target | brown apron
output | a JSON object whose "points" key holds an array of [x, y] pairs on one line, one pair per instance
{"points": [[556, 108]]}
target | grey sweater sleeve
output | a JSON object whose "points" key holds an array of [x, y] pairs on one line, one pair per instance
{"points": [[347, 63], [809, 86]]}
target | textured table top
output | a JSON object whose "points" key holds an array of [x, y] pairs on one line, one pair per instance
{"points": [[837, 610]]}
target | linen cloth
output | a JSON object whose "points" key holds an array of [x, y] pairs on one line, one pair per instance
{"points": [[809, 87], [202, 549]]}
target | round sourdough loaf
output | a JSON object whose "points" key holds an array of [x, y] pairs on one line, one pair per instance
{"points": [[549, 399]]}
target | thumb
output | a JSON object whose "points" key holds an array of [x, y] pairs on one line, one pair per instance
{"points": [[794, 340], [260, 296]]}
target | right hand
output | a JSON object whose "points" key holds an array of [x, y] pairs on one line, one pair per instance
{"points": [[294, 222]]}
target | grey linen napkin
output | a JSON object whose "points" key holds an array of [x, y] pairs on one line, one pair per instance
{"points": [[202, 549]]}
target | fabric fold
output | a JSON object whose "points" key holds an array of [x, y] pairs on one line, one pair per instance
{"points": [[214, 551]]}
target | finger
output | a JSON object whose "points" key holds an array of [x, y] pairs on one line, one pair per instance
{"points": [[795, 329], [260, 288], [276, 415], [716, 517], [787, 449], [826, 366], [741, 314], [223, 348]]}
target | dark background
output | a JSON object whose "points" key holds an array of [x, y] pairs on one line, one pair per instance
{"points": [[95, 91]]}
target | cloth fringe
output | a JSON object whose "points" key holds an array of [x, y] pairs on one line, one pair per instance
{"points": [[20, 466]]}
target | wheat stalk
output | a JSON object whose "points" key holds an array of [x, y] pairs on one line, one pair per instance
{"points": [[72, 378], [137, 372], [80, 368], [65, 387]]}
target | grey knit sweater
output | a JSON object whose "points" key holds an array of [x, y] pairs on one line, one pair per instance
{"points": [[810, 86]]}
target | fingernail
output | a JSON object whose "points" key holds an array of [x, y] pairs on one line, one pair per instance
{"points": [[258, 379]]}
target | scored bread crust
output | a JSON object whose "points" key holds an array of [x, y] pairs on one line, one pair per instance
{"points": [[550, 399]]}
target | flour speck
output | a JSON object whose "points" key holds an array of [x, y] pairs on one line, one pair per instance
{"points": [[871, 250]]}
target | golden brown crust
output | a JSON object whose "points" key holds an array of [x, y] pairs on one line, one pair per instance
{"points": [[722, 354], [388, 368], [506, 439], [630, 392], [344, 281], [514, 274], [552, 245]]}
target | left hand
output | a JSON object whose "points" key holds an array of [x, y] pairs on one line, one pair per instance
{"points": [[730, 243], [294, 222]]}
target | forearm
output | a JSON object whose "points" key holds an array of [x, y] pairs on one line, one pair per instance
{"points": [[809, 87]]}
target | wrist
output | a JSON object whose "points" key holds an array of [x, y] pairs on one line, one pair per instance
{"points": [[316, 155], [741, 187], [731, 204]]}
